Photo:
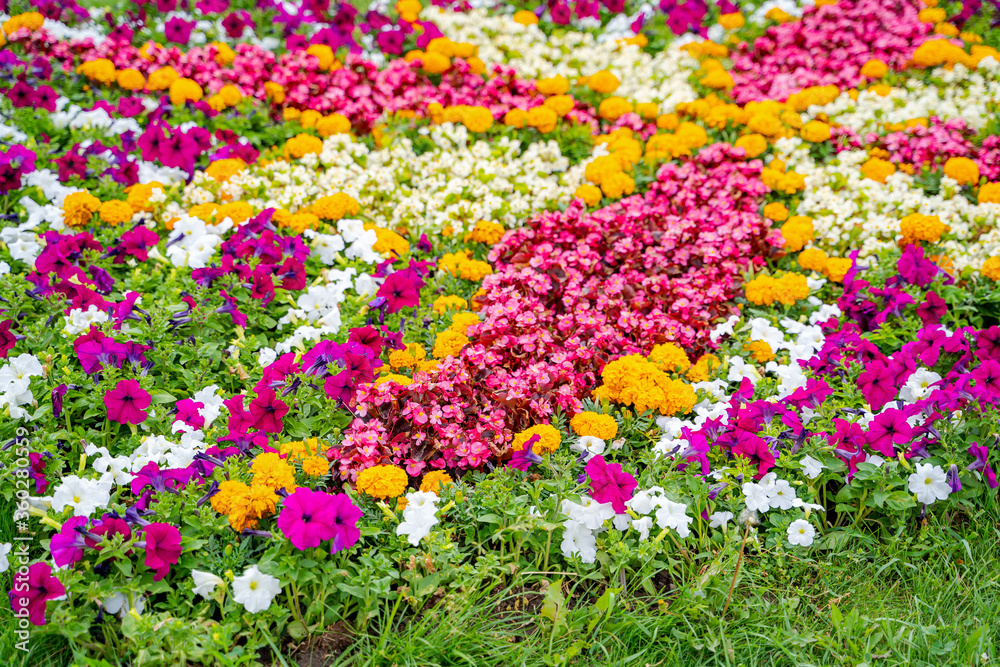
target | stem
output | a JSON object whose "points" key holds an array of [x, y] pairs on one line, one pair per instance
{"points": [[736, 572]]}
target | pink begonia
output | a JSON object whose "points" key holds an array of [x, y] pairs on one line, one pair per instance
{"points": [[827, 46]]}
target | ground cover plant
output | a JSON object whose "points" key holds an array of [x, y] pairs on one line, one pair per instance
{"points": [[500, 333]]}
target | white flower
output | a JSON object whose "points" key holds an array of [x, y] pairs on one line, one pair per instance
{"points": [[756, 497], [918, 385], [5, 548], [643, 525], [740, 370], [673, 515], [255, 590], [781, 495], [266, 357], [591, 445], [929, 483], [205, 583], [643, 502], [418, 517], [811, 467], [83, 495], [801, 533], [724, 329], [589, 512], [580, 540], [719, 519]]}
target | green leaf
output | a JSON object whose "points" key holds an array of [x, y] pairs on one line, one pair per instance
{"points": [[163, 398], [552, 605]]}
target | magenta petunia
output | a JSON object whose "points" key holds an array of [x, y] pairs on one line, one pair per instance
{"points": [[68, 544], [42, 586], [127, 402], [267, 411], [306, 518], [609, 483], [163, 547]]}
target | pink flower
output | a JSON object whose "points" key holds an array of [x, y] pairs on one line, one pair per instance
{"points": [[127, 402], [41, 587], [609, 484], [267, 411]]}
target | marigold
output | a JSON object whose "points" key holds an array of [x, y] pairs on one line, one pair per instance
{"points": [[718, 79], [667, 121], [556, 85], [309, 118], [115, 212], [324, 54], [449, 344], [443, 304], [435, 63], [516, 118], [633, 380], [131, 79], [31, 21], [590, 194], [837, 268], [874, 69], [989, 193], [389, 242], [474, 270], [270, 470], [302, 145], [670, 358], [461, 322], [603, 82], [401, 380], [962, 169], [382, 481], [183, 91], [775, 211], [878, 169], [549, 439], [525, 17], [594, 424], [991, 268], [815, 131], [338, 206], [617, 185], [647, 110], [760, 350], [562, 104], [916, 227], [223, 170], [316, 466], [224, 56], [542, 119], [101, 70], [434, 480], [139, 194], [703, 368], [486, 231], [237, 211], [797, 231], [79, 208], [731, 21], [813, 259], [753, 144], [613, 108], [766, 290]]}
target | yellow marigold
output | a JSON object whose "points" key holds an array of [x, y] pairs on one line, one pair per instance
{"points": [[231, 95], [336, 207], [590, 194], [542, 119], [316, 466], [668, 121], [665, 147], [815, 131], [449, 344], [309, 118], [299, 222], [989, 193], [434, 480], [561, 104], [274, 92], [937, 52], [486, 231], [837, 268], [916, 227], [878, 169], [633, 380], [401, 359], [115, 212], [442, 304], [718, 79], [101, 70], [603, 82], [324, 54], [131, 79], [290, 113], [760, 350], [991, 268], [962, 169], [874, 69], [389, 242], [617, 185], [224, 56], [474, 270], [703, 368], [775, 211], [382, 481], [613, 108], [139, 194], [813, 259], [516, 118], [797, 232], [594, 424], [753, 144], [302, 145], [693, 135], [731, 21], [932, 15], [228, 494], [237, 211], [765, 123], [79, 208], [28, 20], [556, 85], [670, 358], [765, 290], [223, 170], [525, 18], [401, 380], [183, 91], [269, 469], [549, 439], [461, 322], [450, 261], [300, 449], [778, 15], [435, 63], [647, 110], [477, 119]]}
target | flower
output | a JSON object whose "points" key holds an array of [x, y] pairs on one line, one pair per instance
{"points": [[127, 402], [306, 518], [419, 516], [609, 483], [255, 590], [811, 467], [673, 515], [719, 519], [434, 480], [83, 495], [549, 438], [42, 586], [206, 583], [801, 533], [382, 481], [589, 445], [68, 544], [163, 547], [962, 169], [887, 429], [929, 483], [267, 411]]}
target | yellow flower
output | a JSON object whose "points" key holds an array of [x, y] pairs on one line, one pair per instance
{"points": [[139, 194], [442, 304], [874, 69], [590, 194], [702, 369], [309, 118], [231, 95], [461, 322], [516, 118], [815, 131], [131, 79], [613, 108], [525, 18], [115, 212], [270, 470], [389, 242], [962, 169], [316, 466], [101, 70], [556, 85], [989, 193], [813, 259], [617, 185], [474, 270], [760, 350], [991, 268], [224, 56], [647, 110], [561, 104], [449, 344], [797, 232], [382, 481], [932, 15], [603, 82], [31, 21], [237, 211], [776, 211], [633, 380], [916, 227], [183, 91], [765, 290], [338, 206], [667, 121], [324, 54], [542, 119], [549, 439], [435, 63], [274, 92], [670, 358], [718, 79], [79, 208], [753, 144], [487, 232], [837, 268], [594, 424], [878, 169], [731, 21], [401, 380], [434, 480], [223, 170]]}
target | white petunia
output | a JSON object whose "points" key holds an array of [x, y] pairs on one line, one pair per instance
{"points": [[643, 525], [801, 533], [811, 467], [929, 483], [579, 540], [781, 495], [673, 515], [83, 495], [5, 548], [590, 445], [918, 385], [719, 519], [205, 583], [255, 590], [756, 497]]}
